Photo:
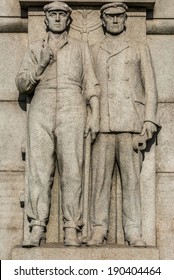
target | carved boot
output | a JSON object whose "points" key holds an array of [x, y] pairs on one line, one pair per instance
{"points": [[71, 238], [137, 243], [135, 240], [98, 238], [37, 237]]}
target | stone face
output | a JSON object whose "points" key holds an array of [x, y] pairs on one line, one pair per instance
{"points": [[163, 65], [165, 147], [12, 47], [12, 134], [135, 23], [165, 220]]}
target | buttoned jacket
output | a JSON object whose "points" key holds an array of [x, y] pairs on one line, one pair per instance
{"points": [[128, 88]]}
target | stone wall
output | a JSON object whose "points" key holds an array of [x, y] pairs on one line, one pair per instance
{"points": [[13, 42], [12, 129], [161, 46]]}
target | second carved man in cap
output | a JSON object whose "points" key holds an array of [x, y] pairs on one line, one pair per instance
{"points": [[128, 104]]}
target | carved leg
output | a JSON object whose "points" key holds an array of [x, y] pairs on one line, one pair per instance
{"points": [[37, 236], [129, 163], [103, 158]]}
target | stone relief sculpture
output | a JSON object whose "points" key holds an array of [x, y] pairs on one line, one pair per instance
{"points": [[60, 72], [86, 22], [128, 105]]}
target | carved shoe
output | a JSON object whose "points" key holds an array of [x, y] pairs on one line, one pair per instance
{"points": [[71, 238], [98, 238], [137, 243], [37, 237]]}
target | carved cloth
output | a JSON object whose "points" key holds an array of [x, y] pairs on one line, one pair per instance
{"points": [[56, 123], [128, 98]]}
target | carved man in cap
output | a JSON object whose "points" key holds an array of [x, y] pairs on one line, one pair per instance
{"points": [[128, 105], [60, 72]]}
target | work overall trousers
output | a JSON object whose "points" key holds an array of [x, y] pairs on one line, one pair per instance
{"points": [[56, 123]]}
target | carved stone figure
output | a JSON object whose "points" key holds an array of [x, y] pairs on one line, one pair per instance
{"points": [[60, 72], [128, 105]]}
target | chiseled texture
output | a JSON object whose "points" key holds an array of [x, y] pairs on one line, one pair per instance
{"points": [[108, 252], [56, 123], [128, 98], [126, 76]]}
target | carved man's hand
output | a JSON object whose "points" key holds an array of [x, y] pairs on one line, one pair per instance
{"points": [[149, 128], [45, 56], [92, 126]]}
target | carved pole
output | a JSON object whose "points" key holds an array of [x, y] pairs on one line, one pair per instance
{"points": [[86, 188]]}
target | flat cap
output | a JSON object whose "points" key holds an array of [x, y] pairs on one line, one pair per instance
{"points": [[119, 8], [57, 6]]}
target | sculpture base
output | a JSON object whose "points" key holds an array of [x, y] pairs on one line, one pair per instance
{"points": [[53, 251]]}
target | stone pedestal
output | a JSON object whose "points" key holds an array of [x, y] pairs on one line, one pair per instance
{"points": [[52, 251]]}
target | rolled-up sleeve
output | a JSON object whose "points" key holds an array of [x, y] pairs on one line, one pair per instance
{"points": [[27, 79], [90, 83]]}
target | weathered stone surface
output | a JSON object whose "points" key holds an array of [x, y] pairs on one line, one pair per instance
{"points": [[165, 148], [136, 26], [140, 3], [165, 210], [11, 215], [113, 223], [12, 134], [109, 252], [37, 21], [12, 48], [53, 229], [160, 26], [113, 102], [164, 9], [48, 137], [148, 196], [9, 239], [163, 64], [11, 189], [9, 8], [13, 25]]}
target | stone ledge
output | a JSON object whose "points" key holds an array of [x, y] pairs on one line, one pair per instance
{"points": [[55, 251], [138, 3], [17, 25], [160, 26], [13, 25]]}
